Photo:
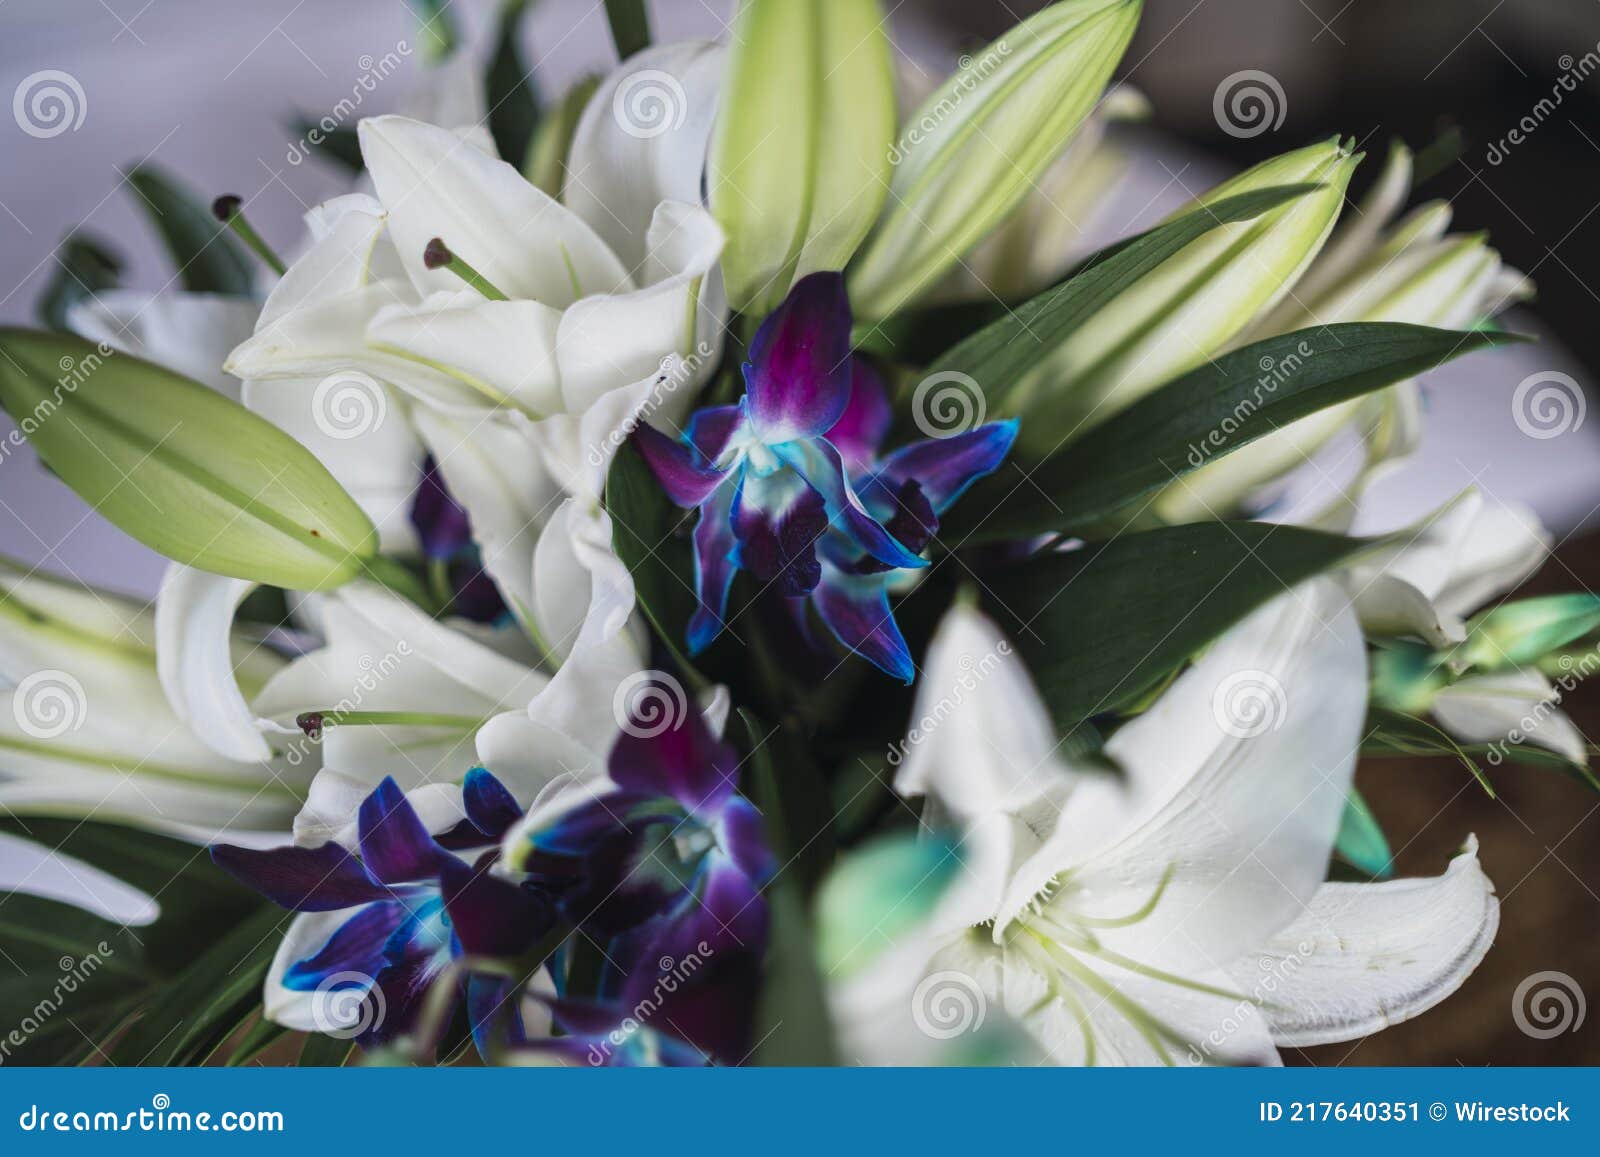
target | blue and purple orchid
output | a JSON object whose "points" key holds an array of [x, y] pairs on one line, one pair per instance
{"points": [[791, 488], [665, 865], [414, 906]]}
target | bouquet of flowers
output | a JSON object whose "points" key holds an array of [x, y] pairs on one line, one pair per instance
{"points": [[705, 569]]}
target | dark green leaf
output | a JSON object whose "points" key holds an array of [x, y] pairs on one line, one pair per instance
{"points": [[1209, 412], [513, 102], [794, 802], [792, 1022], [262, 1036], [325, 1052], [209, 999], [339, 144], [207, 257], [1396, 735], [83, 267], [1100, 625], [630, 26]]}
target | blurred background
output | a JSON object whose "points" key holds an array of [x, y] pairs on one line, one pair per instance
{"points": [[209, 90]]}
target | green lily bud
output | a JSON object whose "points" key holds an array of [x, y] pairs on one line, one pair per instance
{"points": [[1527, 630], [1407, 678], [799, 163], [1191, 306], [181, 468], [982, 140]]}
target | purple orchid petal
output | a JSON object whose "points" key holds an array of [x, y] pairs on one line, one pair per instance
{"points": [[489, 806], [713, 949], [441, 522], [798, 375], [945, 467], [686, 478], [492, 1012], [394, 1002], [857, 611], [822, 466], [492, 916], [684, 762], [475, 596], [865, 422], [777, 520], [743, 837], [395, 844], [319, 879], [354, 950], [714, 568], [710, 429]]}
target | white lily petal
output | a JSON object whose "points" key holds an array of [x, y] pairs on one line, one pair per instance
{"points": [[448, 92], [46, 622], [1388, 606], [1237, 777], [528, 757], [522, 241], [1510, 707], [192, 333], [642, 140], [37, 870], [1366, 956], [201, 663], [293, 1008]]}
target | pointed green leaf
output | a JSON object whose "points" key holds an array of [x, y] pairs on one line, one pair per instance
{"points": [[1525, 631], [513, 101], [1361, 842], [179, 467], [1198, 418], [83, 267], [630, 26], [206, 257], [799, 163], [980, 142], [1099, 625]]}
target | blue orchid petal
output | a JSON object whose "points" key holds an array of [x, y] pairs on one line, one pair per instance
{"points": [[354, 951], [777, 520], [742, 835], [395, 845], [945, 467], [319, 879], [856, 609], [710, 429], [714, 568], [678, 466], [489, 806], [798, 375], [822, 466]]}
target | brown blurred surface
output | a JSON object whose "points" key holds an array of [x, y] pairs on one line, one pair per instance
{"points": [[1540, 844]]}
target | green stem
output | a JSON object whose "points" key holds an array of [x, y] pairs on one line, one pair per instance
{"points": [[227, 210]]}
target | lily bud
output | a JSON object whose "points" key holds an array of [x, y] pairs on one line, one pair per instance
{"points": [[1192, 305], [1525, 631], [799, 163], [980, 142]]}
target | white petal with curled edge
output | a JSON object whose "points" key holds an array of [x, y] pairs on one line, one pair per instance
{"points": [[1237, 778], [200, 663], [642, 140], [294, 1009], [192, 333], [526, 244], [1509, 707], [1365, 956]]}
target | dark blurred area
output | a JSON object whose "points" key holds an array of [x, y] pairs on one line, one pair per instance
{"points": [[1416, 69]]}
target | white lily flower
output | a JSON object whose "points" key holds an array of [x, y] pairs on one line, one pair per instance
{"points": [[87, 730], [1179, 916], [1462, 556]]}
